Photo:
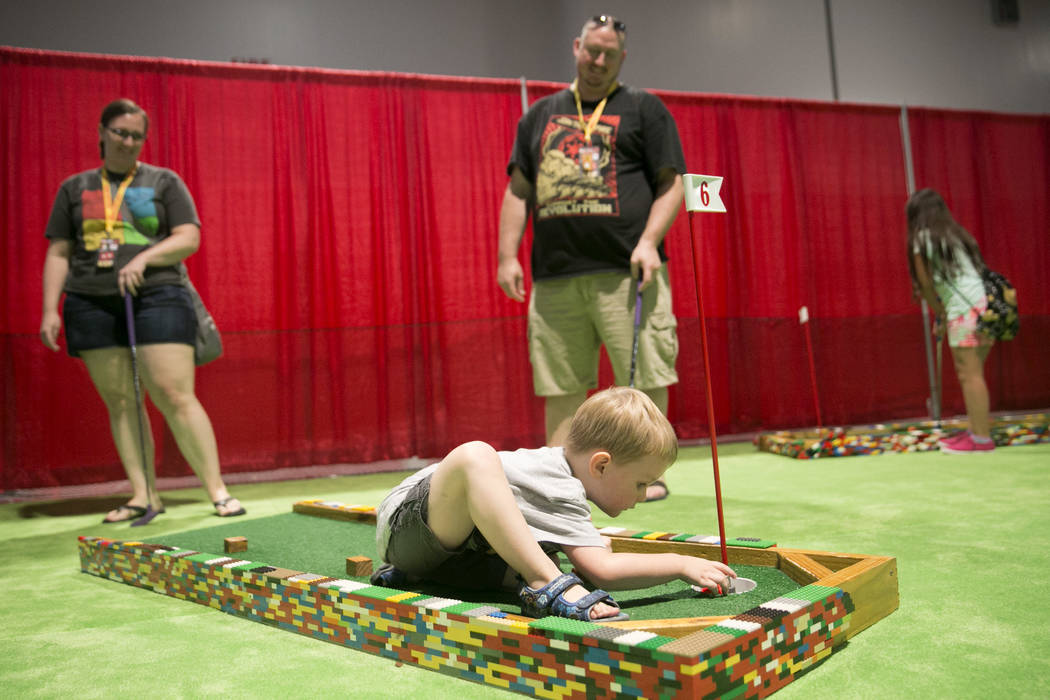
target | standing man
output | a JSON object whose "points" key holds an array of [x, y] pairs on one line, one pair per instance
{"points": [[598, 166]]}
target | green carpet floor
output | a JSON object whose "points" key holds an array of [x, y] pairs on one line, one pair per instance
{"points": [[971, 535]]}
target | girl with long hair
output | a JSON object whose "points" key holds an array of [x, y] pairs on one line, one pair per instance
{"points": [[945, 265]]}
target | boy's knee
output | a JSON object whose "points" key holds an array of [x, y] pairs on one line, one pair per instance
{"points": [[475, 454], [464, 464]]}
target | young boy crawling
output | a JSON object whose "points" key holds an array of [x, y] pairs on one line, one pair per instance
{"points": [[487, 519]]}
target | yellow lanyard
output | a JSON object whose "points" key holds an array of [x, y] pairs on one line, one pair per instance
{"points": [[588, 126], [111, 204]]}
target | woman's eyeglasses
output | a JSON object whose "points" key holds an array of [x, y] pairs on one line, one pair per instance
{"points": [[124, 134]]}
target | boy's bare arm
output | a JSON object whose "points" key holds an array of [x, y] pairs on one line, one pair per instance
{"points": [[623, 570]]}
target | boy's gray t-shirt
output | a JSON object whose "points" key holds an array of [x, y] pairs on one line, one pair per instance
{"points": [[552, 500]]}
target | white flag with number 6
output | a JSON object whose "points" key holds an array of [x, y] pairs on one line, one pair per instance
{"points": [[701, 193]]}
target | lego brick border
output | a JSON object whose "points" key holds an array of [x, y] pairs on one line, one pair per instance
{"points": [[869, 581], [897, 437], [335, 510], [750, 655]]}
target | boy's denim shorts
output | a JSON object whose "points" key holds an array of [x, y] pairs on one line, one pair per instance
{"points": [[414, 549]]}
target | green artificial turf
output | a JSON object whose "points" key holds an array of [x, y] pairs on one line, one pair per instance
{"points": [[290, 541], [971, 535], [321, 545]]}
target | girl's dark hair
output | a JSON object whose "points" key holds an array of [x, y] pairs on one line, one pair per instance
{"points": [[115, 109], [926, 210]]}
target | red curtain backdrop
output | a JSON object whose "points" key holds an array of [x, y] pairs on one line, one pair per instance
{"points": [[814, 194], [349, 247]]}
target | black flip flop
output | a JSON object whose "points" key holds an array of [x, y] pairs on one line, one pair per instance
{"points": [[220, 504], [136, 513]]}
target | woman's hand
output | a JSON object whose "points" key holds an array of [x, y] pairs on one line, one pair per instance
{"points": [[50, 327], [131, 276]]}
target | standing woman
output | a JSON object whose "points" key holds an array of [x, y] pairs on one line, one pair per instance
{"points": [[123, 229], [945, 265]]}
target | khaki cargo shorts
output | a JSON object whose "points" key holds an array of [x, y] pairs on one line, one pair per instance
{"points": [[571, 318]]}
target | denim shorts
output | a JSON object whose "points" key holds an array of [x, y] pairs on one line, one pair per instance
{"points": [[163, 314], [414, 549]]}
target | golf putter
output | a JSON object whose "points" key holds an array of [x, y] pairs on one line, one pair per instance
{"points": [[637, 328], [151, 512]]}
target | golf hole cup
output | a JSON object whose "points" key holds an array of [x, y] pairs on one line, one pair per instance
{"points": [[731, 586]]}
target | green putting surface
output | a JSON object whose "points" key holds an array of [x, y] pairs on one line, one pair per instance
{"points": [[320, 546]]}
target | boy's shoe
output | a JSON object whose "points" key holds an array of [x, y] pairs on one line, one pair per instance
{"points": [[550, 601], [388, 576], [965, 444]]}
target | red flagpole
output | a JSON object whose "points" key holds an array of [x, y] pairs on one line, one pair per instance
{"points": [[710, 395]]}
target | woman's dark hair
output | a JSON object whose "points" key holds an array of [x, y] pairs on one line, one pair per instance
{"points": [[927, 210], [118, 108]]}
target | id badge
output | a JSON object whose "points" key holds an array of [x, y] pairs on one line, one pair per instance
{"points": [[107, 252], [590, 160]]}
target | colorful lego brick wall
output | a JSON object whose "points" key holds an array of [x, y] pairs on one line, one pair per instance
{"points": [[748, 655], [919, 436]]}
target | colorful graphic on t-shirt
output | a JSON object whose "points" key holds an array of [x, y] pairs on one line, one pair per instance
{"points": [[139, 230], [577, 178]]}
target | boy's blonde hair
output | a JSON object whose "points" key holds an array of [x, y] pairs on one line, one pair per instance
{"points": [[624, 422]]}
